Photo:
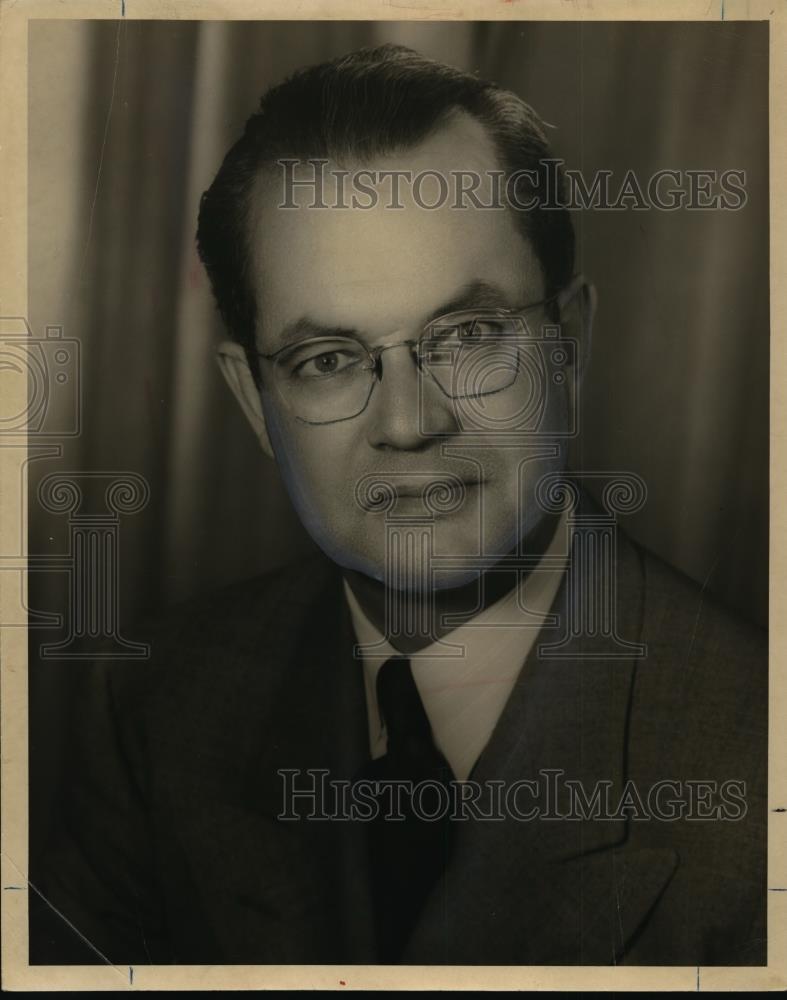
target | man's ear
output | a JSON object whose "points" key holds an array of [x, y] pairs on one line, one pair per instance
{"points": [[577, 305], [234, 365]]}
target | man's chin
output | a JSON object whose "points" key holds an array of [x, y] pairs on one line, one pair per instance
{"points": [[408, 570]]}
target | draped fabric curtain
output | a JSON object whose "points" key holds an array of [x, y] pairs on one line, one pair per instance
{"points": [[128, 124]]}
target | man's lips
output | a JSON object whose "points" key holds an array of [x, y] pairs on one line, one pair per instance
{"points": [[439, 492], [417, 490]]}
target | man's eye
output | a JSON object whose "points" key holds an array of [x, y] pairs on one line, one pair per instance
{"points": [[325, 364], [475, 328], [480, 329]]}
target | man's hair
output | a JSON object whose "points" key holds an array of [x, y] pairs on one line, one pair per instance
{"points": [[367, 104]]}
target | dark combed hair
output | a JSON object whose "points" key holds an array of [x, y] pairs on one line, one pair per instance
{"points": [[366, 104]]}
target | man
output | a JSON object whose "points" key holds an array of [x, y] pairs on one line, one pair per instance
{"points": [[481, 630]]}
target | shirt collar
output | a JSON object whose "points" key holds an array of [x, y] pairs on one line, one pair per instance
{"points": [[465, 678]]}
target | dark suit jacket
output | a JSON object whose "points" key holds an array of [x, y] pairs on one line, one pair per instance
{"points": [[169, 848]]}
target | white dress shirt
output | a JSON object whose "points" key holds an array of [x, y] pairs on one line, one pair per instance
{"points": [[464, 692]]}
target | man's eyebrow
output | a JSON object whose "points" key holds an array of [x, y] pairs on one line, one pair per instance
{"points": [[305, 328], [475, 294]]}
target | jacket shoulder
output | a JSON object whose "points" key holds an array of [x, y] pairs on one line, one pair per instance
{"points": [[241, 605], [688, 628], [217, 639], [704, 676]]}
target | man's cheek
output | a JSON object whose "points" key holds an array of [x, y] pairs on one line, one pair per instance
{"points": [[323, 493]]}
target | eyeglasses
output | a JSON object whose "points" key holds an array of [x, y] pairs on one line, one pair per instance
{"points": [[468, 354]]}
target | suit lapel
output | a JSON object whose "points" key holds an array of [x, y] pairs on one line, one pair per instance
{"points": [[552, 890], [298, 888]]}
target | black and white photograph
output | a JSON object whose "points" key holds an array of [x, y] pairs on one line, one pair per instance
{"points": [[394, 473]]}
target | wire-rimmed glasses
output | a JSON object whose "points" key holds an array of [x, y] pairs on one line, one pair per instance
{"points": [[468, 354]]}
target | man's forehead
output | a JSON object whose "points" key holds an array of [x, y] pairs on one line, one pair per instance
{"points": [[382, 264]]}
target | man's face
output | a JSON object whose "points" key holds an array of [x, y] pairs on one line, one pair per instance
{"points": [[382, 274]]}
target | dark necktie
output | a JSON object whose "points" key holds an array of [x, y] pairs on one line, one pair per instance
{"points": [[407, 855]]}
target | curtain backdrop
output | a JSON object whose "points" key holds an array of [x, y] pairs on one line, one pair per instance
{"points": [[128, 124]]}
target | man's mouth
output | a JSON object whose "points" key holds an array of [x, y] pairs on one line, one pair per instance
{"points": [[440, 494], [433, 488]]}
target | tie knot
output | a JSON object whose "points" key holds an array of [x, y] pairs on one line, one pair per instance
{"points": [[401, 708]]}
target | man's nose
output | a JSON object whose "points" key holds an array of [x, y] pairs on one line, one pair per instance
{"points": [[396, 417]]}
